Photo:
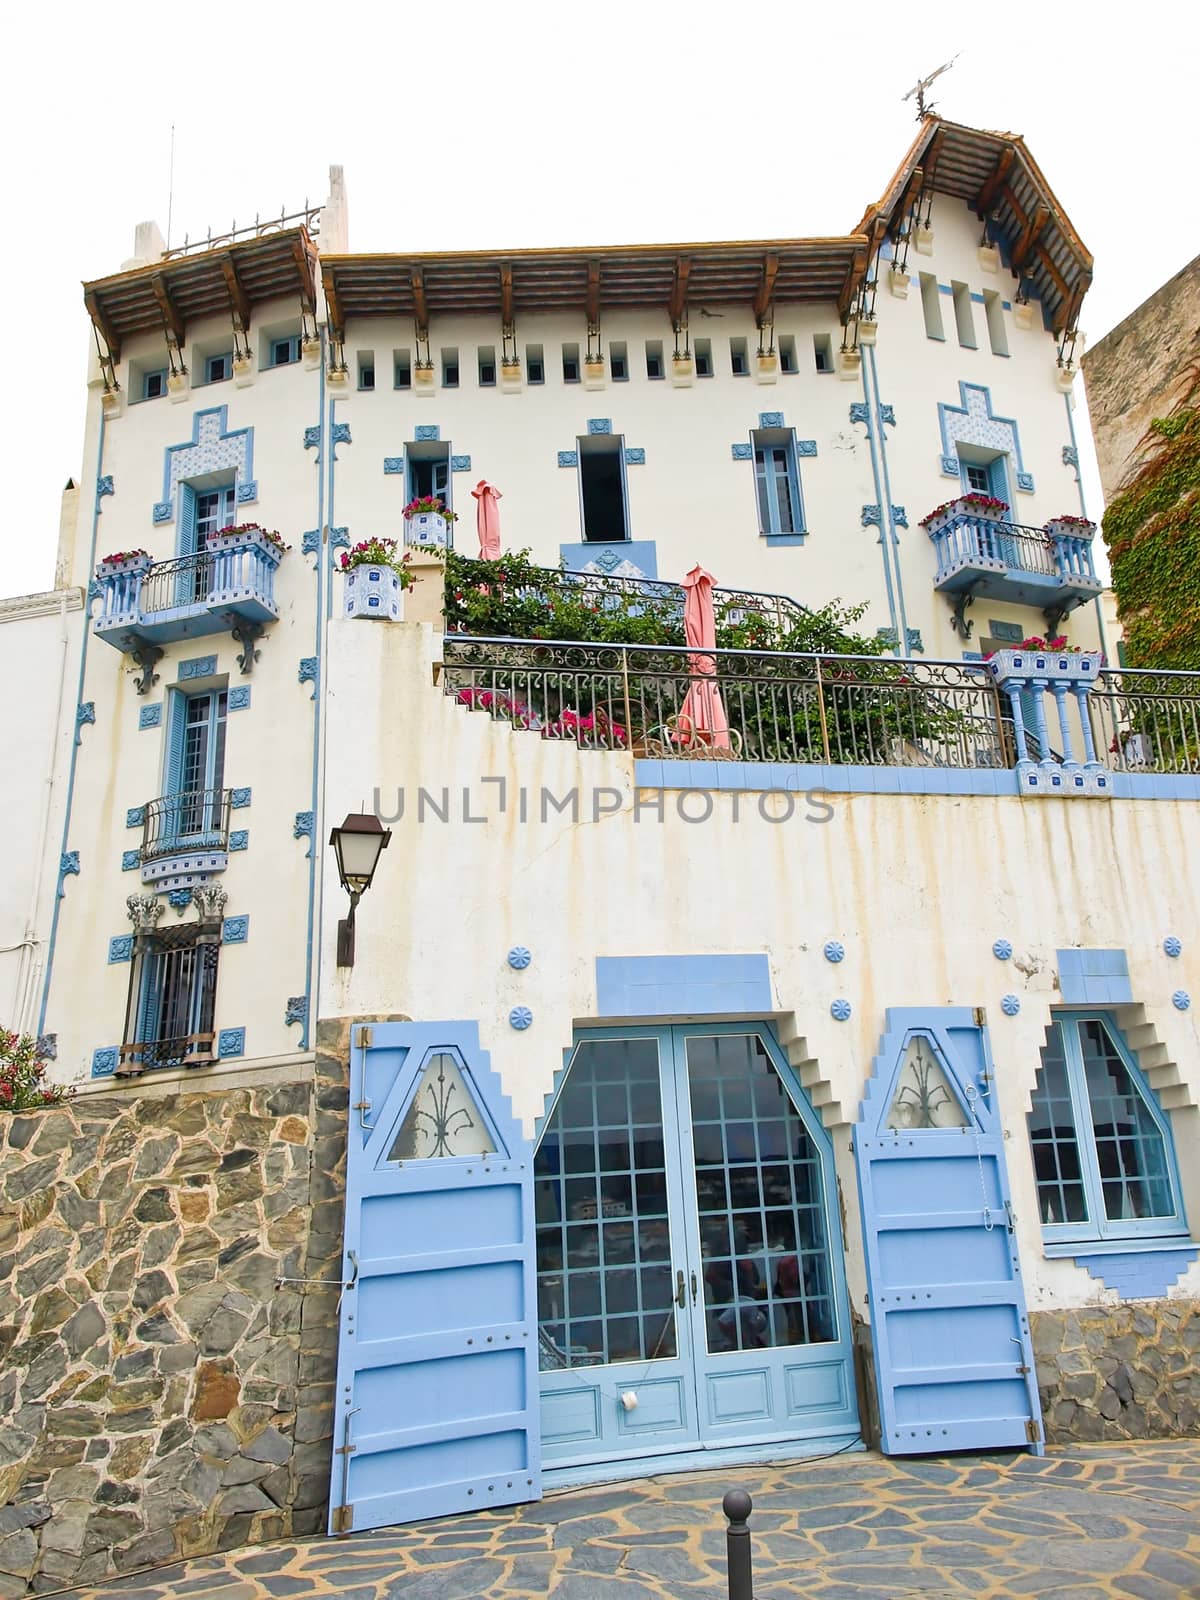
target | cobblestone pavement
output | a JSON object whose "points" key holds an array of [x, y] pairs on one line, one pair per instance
{"points": [[1089, 1521]]}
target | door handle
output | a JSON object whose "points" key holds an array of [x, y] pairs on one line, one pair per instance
{"points": [[680, 1291], [693, 1288]]}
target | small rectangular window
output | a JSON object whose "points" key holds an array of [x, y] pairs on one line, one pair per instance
{"points": [[654, 358], [777, 482], [402, 369], [154, 384], [602, 482], [535, 365], [366, 369], [787, 352], [823, 352], [450, 368], [702, 350], [964, 316], [618, 361], [997, 332], [218, 368], [739, 360], [570, 363], [931, 305], [486, 356], [284, 352], [977, 478]]}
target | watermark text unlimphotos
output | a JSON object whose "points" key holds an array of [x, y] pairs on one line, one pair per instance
{"points": [[488, 799]]}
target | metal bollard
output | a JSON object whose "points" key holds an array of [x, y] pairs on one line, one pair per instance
{"points": [[737, 1506]]}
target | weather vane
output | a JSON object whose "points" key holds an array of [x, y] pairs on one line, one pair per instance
{"points": [[919, 88]]}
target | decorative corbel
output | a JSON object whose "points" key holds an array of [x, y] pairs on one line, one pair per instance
{"points": [[145, 655]]}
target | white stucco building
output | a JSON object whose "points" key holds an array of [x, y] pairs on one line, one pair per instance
{"points": [[875, 1022]]}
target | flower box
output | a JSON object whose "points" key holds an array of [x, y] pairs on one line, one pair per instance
{"points": [[923, 239], [1071, 528], [310, 352], [429, 527], [979, 507], [1075, 666], [1064, 378], [373, 592], [135, 561], [249, 536]]}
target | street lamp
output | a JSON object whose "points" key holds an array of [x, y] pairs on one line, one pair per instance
{"points": [[357, 844]]}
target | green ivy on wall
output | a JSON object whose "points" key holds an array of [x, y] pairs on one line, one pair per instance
{"points": [[1152, 529]]}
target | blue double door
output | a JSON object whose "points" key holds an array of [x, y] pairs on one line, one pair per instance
{"points": [[690, 1281]]}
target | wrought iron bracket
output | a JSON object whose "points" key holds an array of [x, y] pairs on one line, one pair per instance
{"points": [[145, 655], [960, 604], [1055, 616], [246, 634]]}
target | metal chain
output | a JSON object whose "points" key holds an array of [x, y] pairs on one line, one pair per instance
{"points": [[972, 1098]]}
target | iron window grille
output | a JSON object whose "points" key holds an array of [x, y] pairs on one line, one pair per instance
{"points": [[172, 999]]}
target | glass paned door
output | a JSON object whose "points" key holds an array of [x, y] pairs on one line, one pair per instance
{"points": [[688, 1294], [203, 771]]}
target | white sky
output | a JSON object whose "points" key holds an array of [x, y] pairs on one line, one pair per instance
{"points": [[529, 123]]}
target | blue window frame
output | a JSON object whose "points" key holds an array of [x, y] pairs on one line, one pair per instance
{"points": [[154, 384], [427, 467], [218, 368], [777, 483], [194, 782], [986, 477], [1103, 1155], [285, 351]]}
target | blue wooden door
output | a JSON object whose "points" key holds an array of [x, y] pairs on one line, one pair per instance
{"points": [[953, 1356], [436, 1403], [690, 1286]]}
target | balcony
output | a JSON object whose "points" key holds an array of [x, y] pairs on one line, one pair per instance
{"points": [[982, 556], [230, 587], [185, 838]]}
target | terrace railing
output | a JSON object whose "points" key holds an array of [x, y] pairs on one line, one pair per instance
{"points": [[195, 819], [1147, 721]]}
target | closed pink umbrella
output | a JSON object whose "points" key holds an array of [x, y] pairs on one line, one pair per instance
{"points": [[487, 519], [702, 719]]}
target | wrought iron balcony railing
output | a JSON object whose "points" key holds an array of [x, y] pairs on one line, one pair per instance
{"points": [[187, 597], [194, 820], [809, 709]]}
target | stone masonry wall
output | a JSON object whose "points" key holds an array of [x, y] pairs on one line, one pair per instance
{"points": [[1119, 1372], [159, 1396]]}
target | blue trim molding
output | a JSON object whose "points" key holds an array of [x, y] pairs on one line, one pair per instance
{"points": [[198, 667], [247, 492], [599, 425], [231, 1042], [951, 468], [213, 447], [742, 452], [309, 672], [1070, 456], [296, 1010], [104, 485], [181, 899], [427, 433], [675, 986], [630, 557], [840, 1010], [340, 434], [806, 447], [1172, 946], [770, 419], [239, 698], [150, 716], [47, 1046], [304, 827], [834, 951], [460, 463], [1002, 950], [1139, 1274], [135, 817], [568, 458], [239, 799], [1011, 1005], [860, 411], [240, 839], [68, 867], [975, 423], [104, 1061], [1181, 1000], [1094, 977], [120, 948], [235, 930], [131, 860], [393, 466], [635, 456]]}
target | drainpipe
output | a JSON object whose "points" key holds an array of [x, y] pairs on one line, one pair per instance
{"points": [[1083, 513], [312, 948], [870, 423], [885, 505]]}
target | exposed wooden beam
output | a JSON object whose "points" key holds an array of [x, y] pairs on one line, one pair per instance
{"points": [[986, 198], [238, 298], [333, 305], [172, 321], [679, 290], [506, 297], [766, 288], [1060, 283], [102, 324], [305, 267], [854, 277], [593, 295], [911, 190], [419, 305], [1030, 234]]}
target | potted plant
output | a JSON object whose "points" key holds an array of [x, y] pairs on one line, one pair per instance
{"points": [[249, 535], [376, 578], [122, 562], [1071, 528], [428, 520], [1045, 659]]}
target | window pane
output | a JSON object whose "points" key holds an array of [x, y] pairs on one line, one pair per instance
{"points": [[443, 1118], [1055, 1140], [1130, 1150], [923, 1097], [785, 521]]}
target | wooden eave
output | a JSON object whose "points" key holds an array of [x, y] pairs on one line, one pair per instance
{"points": [[219, 282], [591, 281], [995, 174]]}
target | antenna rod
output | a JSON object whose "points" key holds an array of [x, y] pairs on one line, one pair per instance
{"points": [[171, 187]]}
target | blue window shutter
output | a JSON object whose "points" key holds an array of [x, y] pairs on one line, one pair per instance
{"points": [[793, 465], [187, 520], [998, 480], [176, 724]]}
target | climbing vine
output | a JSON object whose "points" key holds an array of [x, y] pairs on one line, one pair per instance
{"points": [[1152, 528]]}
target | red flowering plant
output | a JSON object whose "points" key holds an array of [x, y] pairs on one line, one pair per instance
{"points": [[23, 1085], [430, 504], [377, 552], [124, 555], [1051, 647], [973, 502], [1073, 522], [269, 534]]}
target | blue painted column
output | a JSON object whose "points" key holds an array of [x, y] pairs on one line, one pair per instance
{"points": [[1038, 688], [1013, 687], [1061, 689], [1080, 691]]}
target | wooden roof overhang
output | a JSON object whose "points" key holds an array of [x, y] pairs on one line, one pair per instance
{"points": [[505, 283], [230, 279], [996, 175]]}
